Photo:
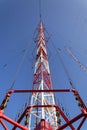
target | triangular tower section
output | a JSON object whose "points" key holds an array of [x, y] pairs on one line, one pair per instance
{"points": [[42, 81]]}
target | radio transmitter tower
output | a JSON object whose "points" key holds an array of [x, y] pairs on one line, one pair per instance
{"points": [[42, 113], [42, 81]]}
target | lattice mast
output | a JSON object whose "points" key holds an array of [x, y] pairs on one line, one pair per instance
{"points": [[42, 113], [42, 81]]}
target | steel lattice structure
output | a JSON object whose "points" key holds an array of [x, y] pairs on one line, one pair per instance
{"points": [[42, 81], [42, 113]]}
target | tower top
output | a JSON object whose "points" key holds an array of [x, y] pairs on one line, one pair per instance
{"points": [[40, 11]]}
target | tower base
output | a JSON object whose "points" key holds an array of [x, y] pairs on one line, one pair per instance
{"points": [[43, 125]]}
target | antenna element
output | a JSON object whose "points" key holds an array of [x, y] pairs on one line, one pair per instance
{"points": [[40, 11]]}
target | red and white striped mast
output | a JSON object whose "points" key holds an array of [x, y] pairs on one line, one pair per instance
{"points": [[42, 81], [42, 113]]}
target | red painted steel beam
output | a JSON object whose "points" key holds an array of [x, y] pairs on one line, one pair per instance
{"points": [[3, 124], [64, 117], [12, 122], [31, 91], [79, 127], [71, 121], [80, 101], [20, 119]]}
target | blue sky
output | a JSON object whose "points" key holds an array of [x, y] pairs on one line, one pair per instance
{"points": [[66, 22]]}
